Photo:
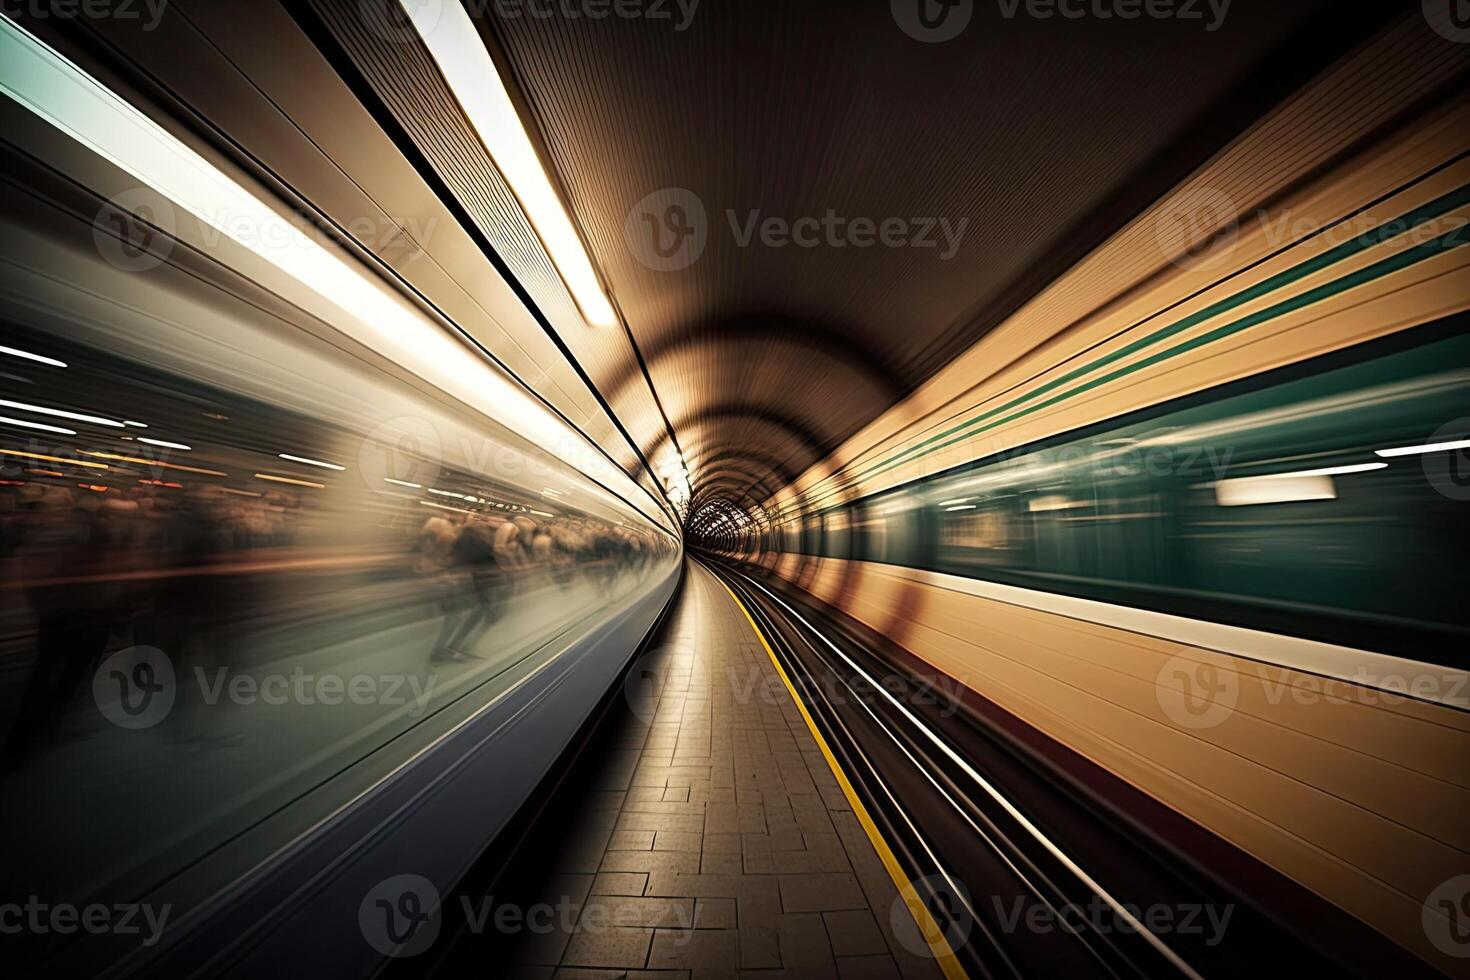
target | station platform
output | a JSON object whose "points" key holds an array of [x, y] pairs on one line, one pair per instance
{"points": [[716, 840]]}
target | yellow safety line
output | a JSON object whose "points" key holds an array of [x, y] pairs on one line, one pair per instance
{"points": [[928, 928]]}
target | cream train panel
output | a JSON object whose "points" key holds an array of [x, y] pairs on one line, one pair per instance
{"points": [[1420, 166], [1356, 794]]}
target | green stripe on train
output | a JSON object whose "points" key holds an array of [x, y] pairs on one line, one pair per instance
{"points": [[1377, 236]]}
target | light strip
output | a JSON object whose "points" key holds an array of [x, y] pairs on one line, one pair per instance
{"points": [[456, 47], [60, 413], [403, 483], [1036, 833], [296, 483], [32, 357], [457, 510], [961, 507], [1324, 471], [1433, 447], [154, 462], [4, 420], [59, 92], [164, 444], [53, 459], [136, 425], [308, 462]]}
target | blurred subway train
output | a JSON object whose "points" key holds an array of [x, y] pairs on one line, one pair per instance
{"points": [[356, 410], [264, 590], [1205, 528]]}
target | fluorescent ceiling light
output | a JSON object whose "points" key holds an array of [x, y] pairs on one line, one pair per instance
{"points": [[961, 507], [13, 352], [308, 462], [403, 483], [59, 413], [163, 443], [37, 425], [136, 425], [1433, 447], [57, 91], [455, 45]]}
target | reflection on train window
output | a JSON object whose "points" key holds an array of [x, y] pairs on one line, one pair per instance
{"points": [[213, 608], [1295, 507]]}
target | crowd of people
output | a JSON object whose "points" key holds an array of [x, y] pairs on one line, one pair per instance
{"points": [[477, 562], [84, 571], [194, 571]]}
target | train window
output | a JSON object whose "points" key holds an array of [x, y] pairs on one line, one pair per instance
{"points": [[837, 532], [255, 573], [1287, 506]]}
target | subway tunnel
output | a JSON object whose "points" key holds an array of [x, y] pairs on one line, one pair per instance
{"points": [[697, 488]]}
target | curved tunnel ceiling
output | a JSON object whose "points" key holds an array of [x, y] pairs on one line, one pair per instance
{"points": [[868, 204]]}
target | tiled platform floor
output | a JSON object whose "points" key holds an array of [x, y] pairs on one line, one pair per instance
{"points": [[717, 842]]}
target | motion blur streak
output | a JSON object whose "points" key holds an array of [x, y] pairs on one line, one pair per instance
{"points": [[222, 664], [59, 92], [707, 488]]}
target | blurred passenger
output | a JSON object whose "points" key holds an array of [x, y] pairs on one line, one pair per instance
{"points": [[478, 596], [55, 550], [196, 610]]}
